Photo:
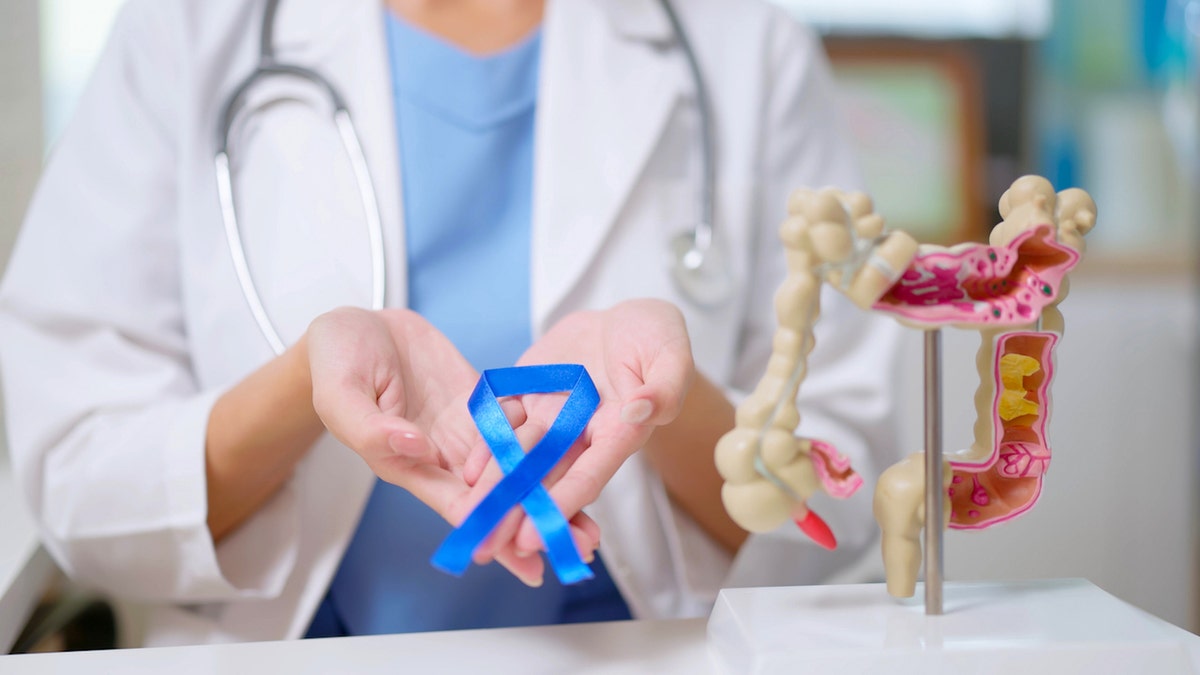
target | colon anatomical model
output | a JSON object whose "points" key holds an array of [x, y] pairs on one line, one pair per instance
{"points": [[769, 473], [1007, 290]]}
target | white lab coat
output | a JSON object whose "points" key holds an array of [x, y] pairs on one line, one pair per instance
{"points": [[122, 320]]}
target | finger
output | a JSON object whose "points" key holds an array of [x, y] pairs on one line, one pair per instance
{"points": [[480, 454], [378, 436], [501, 539], [529, 570], [587, 536], [565, 463], [545, 409], [582, 482], [584, 532], [508, 526], [436, 487], [478, 459], [652, 393], [446, 494], [348, 404], [514, 411], [528, 434]]}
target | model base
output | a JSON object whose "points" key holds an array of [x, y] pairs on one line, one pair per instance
{"points": [[1054, 626]]}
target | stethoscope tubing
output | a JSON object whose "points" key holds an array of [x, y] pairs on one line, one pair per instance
{"points": [[702, 235], [691, 259], [268, 67]]}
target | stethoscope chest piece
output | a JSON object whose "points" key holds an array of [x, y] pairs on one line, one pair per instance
{"points": [[700, 272]]}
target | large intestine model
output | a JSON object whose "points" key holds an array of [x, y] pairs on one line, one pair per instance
{"points": [[1008, 290]]}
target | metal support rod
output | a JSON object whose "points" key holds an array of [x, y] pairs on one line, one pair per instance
{"points": [[934, 488]]}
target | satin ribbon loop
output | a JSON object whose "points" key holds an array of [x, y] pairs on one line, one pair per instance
{"points": [[523, 473]]}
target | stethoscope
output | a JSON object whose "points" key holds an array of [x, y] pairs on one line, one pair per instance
{"points": [[696, 267]]}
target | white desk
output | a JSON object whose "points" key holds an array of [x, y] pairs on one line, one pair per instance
{"points": [[25, 567], [1049, 628], [615, 648]]}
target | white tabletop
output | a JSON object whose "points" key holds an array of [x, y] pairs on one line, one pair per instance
{"points": [[24, 566], [614, 648], [1048, 627]]}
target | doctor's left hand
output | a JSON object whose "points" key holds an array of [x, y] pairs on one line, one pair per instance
{"points": [[639, 355], [391, 387]]}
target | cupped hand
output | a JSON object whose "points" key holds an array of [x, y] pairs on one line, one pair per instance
{"points": [[391, 387], [639, 356]]}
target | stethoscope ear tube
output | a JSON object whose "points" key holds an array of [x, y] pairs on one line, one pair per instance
{"points": [[238, 254], [268, 67], [264, 70], [697, 270], [370, 205]]}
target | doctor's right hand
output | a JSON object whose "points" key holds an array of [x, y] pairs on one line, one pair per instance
{"points": [[391, 387]]}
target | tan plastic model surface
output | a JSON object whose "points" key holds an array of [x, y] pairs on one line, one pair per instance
{"points": [[769, 473], [899, 508]]}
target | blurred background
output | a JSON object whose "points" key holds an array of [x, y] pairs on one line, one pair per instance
{"points": [[949, 101]]}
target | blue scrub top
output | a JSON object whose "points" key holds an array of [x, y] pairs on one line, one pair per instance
{"points": [[465, 126]]}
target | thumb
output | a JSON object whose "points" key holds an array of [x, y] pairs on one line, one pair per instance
{"points": [[654, 396], [353, 416]]}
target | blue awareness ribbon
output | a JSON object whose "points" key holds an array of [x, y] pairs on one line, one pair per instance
{"points": [[523, 473]]}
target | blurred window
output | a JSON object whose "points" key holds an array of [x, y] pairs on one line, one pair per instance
{"points": [[73, 32], [926, 18]]}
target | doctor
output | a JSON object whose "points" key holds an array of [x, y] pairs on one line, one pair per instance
{"points": [[134, 370]]}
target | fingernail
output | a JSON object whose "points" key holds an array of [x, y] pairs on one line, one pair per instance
{"points": [[637, 412], [524, 553], [533, 582], [482, 555], [590, 557], [405, 442]]}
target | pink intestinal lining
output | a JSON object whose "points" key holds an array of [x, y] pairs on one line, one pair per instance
{"points": [[833, 468], [1009, 482], [977, 284]]}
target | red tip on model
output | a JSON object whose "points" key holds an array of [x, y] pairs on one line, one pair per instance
{"points": [[816, 529]]}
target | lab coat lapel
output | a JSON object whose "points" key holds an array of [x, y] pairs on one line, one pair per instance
{"points": [[606, 94], [346, 42]]}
